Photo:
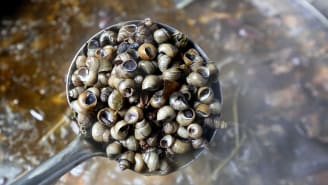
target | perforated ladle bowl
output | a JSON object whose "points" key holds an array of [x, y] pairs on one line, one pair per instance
{"points": [[81, 149]]}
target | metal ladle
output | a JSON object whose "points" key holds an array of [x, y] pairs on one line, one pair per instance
{"points": [[81, 149]]}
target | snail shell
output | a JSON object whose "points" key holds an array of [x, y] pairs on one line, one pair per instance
{"points": [[192, 56], [161, 35], [178, 101], [126, 32], [186, 92], [114, 81], [107, 116], [151, 83], [127, 87], [143, 34], [87, 100], [104, 94], [75, 78], [203, 110], [106, 136], [180, 147], [165, 113], [166, 141], [108, 37], [97, 131], [103, 78], [205, 95], [214, 71], [186, 117], [170, 127], [215, 107], [142, 130], [94, 90], [152, 140], [133, 115], [147, 51], [115, 100], [75, 92], [113, 149], [138, 79], [172, 74], [147, 67], [130, 143], [180, 39], [126, 160], [163, 62], [93, 66], [80, 61], [168, 49], [151, 159], [92, 46], [183, 132], [195, 131], [197, 79], [120, 130], [158, 100], [139, 163], [134, 99]]}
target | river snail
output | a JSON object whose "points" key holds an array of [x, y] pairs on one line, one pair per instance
{"points": [[145, 93], [192, 56], [161, 35], [126, 32], [166, 113], [81, 61], [172, 74], [168, 49], [178, 101], [133, 115], [166, 141], [180, 39], [107, 116], [185, 117], [147, 67], [147, 51], [158, 99], [130, 143], [127, 87], [182, 132], [151, 159], [120, 130], [203, 110], [142, 130], [74, 93], [115, 100], [170, 127], [108, 37], [113, 149], [195, 131], [126, 160], [97, 131], [151, 83], [205, 95], [180, 146], [139, 163]]}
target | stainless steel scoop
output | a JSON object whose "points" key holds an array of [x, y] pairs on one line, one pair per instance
{"points": [[81, 149]]}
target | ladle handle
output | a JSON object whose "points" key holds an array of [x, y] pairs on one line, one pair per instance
{"points": [[51, 170]]}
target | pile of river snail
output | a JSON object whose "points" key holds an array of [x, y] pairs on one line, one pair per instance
{"points": [[144, 93]]}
